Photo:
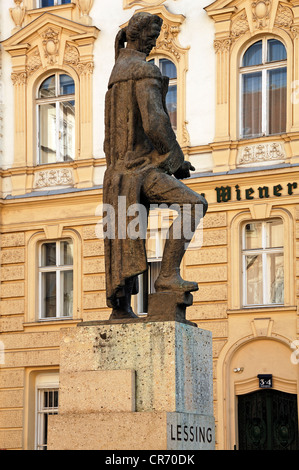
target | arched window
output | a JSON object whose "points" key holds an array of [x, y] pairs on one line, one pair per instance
{"points": [[263, 89], [168, 69], [56, 119]]}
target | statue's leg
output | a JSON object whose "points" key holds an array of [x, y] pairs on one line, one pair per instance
{"points": [[169, 277], [164, 189]]}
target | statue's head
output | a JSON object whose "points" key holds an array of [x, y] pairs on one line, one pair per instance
{"points": [[141, 33]]}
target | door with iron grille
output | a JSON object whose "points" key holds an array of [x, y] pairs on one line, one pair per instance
{"points": [[268, 420]]}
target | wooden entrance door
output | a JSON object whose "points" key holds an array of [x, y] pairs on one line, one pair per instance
{"points": [[268, 420]]}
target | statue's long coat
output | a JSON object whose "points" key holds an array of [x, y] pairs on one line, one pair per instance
{"points": [[138, 139]]}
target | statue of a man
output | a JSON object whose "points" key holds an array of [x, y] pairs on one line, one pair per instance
{"points": [[144, 163]]}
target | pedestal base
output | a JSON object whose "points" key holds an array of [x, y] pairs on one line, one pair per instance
{"points": [[131, 431], [134, 386]]}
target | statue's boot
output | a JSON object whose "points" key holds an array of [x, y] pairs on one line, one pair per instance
{"points": [[174, 283], [169, 278], [124, 309], [122, 314]]}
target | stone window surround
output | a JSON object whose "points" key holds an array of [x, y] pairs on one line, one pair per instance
{"points": [[237, 26], [259, 212], [49, 234], [47, 45]]}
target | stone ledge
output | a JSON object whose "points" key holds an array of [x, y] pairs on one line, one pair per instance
{"points": [[131, 431]]}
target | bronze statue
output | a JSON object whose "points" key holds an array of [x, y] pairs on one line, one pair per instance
{"points": [[144, 164]]}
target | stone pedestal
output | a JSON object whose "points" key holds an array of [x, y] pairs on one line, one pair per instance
{"points": [[134, 386]]}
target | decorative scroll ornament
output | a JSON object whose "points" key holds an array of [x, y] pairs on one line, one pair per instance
{"points": [[51, 45], [261, 13], [34, 62], [18, 14], [71, 55], [240, 26], [85, 69], [167, 38], [261, 153], [222, 45], [284, 17], [19, 78], [48, 178]]}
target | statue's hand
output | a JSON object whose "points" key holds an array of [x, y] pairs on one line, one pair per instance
{"points": [[184, 170]]}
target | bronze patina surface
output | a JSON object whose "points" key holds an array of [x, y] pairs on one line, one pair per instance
{"points": [[145, 164]]}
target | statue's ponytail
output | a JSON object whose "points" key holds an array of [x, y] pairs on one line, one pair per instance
{"points": [[120, 40]]}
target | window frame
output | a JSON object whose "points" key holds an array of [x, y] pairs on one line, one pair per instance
{"points": [[58, 269], [41, 412], [172, 81], [147, 280], [264, 252], [56, 3], [264, 68], [57, 100]]}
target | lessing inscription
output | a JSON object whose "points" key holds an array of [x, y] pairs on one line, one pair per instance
{"points": [[190, 433]]}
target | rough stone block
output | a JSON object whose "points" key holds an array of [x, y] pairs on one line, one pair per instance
{"points": [[12, 273], [11, 307], [12, 256], [93, 248], [211, 292], [11, 439], [94, 300], [214, 237], [94, 283], [12, 239], [12, 323], [173, 361], [97, 391], [93, 266], [12, 290], [206, 256], [131, 431], [89, 232]]}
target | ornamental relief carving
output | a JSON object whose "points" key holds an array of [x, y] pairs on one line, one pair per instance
{"points": [[50, 178], [261, 13], [266, 152], [34, 62], [260, 18], [167, 40], [240, 25], [51, 44], [19, 78], [144, 3], [71, 55]]}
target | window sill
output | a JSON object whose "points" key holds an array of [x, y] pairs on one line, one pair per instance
{"points": [[41, 10], [57, 323], [263, 309]]}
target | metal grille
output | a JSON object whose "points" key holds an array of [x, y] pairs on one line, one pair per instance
{"points": [[268, 420], [47, 405]]}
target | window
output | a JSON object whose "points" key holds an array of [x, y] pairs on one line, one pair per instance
{"points": [[47, 404], [56, 280], [51, 3], [56, 119], [263, 263], [263, 89], [168, 69], [155, 246]]}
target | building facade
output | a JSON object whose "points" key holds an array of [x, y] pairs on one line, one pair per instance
{"points": [[234, 104]]}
